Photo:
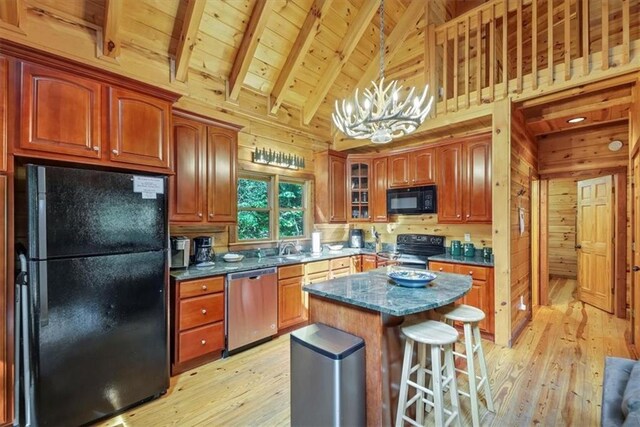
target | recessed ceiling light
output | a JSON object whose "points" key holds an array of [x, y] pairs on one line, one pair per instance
{"points": [[615, 145], [576, 120]]}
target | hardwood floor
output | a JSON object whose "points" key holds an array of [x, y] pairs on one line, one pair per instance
{"points": [[551, 377]]}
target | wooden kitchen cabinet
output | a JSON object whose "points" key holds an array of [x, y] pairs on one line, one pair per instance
{"points": [[293, 302], [359, 193], [378, 193], [140, 127], [197, 322], [369, 262], [204, 187], [60, 112], [4, 76], [331, 187], [481, 294], [464, 181], [412, 168]]}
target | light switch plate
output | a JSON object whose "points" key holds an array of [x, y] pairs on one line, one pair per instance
{"points": [[467, 237]]}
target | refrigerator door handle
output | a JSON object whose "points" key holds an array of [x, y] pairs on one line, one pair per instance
{"points": [[42, 213], [43, 293]]}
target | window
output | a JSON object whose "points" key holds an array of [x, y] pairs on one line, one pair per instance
{"points": [[271, 208]]}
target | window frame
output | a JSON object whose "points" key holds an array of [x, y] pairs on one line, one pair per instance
{"points": [[273, 181]]}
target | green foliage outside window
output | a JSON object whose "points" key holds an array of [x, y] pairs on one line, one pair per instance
{"points": [[291, 218]]}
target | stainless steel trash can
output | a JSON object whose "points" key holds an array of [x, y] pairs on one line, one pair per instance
{"points": [[327, 378]]}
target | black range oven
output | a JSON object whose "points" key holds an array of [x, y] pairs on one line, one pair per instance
{"points": [[412, 201]]}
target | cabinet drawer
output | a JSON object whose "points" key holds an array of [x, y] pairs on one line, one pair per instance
{"points": [[442, 266], [318, 266], [340, 272], [339, 263], [194, 288], [290, 271], [200, 341], [318, 277], [478, 273], [201, 310]]}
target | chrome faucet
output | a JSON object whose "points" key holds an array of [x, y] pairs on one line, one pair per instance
{"points": [[286, 247]]}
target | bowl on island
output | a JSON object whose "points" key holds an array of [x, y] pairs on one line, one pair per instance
{"points": [[233, 257], [411, 278], [335, 247]]}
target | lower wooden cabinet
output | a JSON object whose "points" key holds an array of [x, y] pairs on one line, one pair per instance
{"points": [[369, 262], [292, 300], [197, 322], [481, 293]]}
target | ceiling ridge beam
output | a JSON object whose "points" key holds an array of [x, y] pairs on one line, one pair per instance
{"points": [[187, 39], [393, 43], [111, 28], [308, 31], [343, 53], [248, 46]]}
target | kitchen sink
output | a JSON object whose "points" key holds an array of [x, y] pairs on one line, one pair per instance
{"points": [[290, 258]]}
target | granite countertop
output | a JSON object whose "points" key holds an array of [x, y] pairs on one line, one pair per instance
{"points": [[476, 260], [222, 267], [375, 291]]}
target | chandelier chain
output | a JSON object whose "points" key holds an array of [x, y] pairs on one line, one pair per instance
{"points": [[381, 39]]}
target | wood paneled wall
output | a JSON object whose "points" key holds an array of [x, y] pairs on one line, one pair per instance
{"points": [[563, 258], [524, 167]]}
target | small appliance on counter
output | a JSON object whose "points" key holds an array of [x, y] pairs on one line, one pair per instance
{"points": [[316, 247], [180, 249], [356, 238], [203, 251], [487, 252]]}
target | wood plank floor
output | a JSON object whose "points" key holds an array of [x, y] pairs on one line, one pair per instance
{"points": [[551, 377]]}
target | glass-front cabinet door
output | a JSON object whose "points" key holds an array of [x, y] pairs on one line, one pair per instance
{"points": [[359, 189]]}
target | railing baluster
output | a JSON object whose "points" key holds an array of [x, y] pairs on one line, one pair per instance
{"points": [[467, 84], [519, 47], [505, 46], [492, 53], [567, 39], [456, 42], [549, 42], [479, 59], [625, 31], [445, 71], [585, 37], [432, 78], [534, 45], [605, 34]]}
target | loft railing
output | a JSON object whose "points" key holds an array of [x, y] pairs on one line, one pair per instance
{"points": [[521, 47]]}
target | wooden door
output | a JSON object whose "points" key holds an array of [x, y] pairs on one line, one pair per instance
{"points": [[3, 112], [635, 275], [595, 242], [60, 112], [421, 165], [369, 262], [378, 202], [139, 128], [449, 182], [6, 368], [337, 189], [187, 185], [477, 181], [292, 308], [222, 159], [398, 174]]}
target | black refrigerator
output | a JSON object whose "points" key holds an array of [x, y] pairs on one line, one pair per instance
{"points": [[95, 301]]}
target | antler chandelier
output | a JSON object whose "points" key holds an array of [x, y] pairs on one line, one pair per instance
{"points": [[380, 115]]}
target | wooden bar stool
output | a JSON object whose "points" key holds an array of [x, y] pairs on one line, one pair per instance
{"points": [[470, 316], [437, 335]]}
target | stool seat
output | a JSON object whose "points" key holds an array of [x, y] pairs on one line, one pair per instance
{"points": [[462, 313], [431, 332]]}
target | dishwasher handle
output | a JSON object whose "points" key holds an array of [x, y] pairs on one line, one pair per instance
{"points": [[252, 274]]}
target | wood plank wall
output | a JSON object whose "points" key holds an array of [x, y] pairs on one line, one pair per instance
{"points": [[563, 258], [524, 167]]}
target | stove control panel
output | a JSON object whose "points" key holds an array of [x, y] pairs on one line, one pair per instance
{"points": [[420, 239]]}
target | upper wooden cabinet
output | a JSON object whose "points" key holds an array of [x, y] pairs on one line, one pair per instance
{"points": [[464, 181], [359, 192], [3, 113], [331, 187], [413, 168], [61, 112], [139, 128], [378, 193], [203, 189]]}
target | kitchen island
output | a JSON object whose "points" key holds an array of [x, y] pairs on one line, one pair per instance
{"points": [[371, 306]]}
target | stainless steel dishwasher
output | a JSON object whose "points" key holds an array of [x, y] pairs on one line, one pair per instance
{"points": [[251, 307]]}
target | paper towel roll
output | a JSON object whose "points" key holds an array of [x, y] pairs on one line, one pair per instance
{"points": [[316, 248]]}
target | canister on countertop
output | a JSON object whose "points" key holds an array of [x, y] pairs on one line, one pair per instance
{"points": [[456, 248], [486, 253], [469, 250]]}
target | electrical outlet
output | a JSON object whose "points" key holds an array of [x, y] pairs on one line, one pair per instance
{"points": [[467, 237]]}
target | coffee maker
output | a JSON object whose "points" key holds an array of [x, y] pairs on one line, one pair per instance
{"points": [[203, 255], [356, 238], [180, 249]]}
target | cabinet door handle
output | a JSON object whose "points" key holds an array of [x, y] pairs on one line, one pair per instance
{"points": [[204, 287], [210, 215], [468, 215], [203, 342], [471, 273], [200, 214], [115, 152], [96, 148], [458, 216], [203, 311], [440, 268]]}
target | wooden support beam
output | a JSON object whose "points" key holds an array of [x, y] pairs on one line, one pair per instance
{"points": [[11, 12], [187, 40], [347, 46], [111, 28], [248, 46], [544, 243], [307, 34], [394, 43]]}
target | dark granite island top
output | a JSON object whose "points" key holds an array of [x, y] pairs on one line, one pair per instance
{"points": [[373, 290], [373, 308]]}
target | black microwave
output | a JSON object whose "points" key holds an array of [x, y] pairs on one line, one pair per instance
{"points": [[412, 201]]}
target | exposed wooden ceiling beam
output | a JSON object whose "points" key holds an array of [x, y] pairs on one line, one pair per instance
{"points": [[581, 110], [250, 40], [348, 45], [11, 11], [393, 43], [187, 40], [111, 28], [307, 34]]}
